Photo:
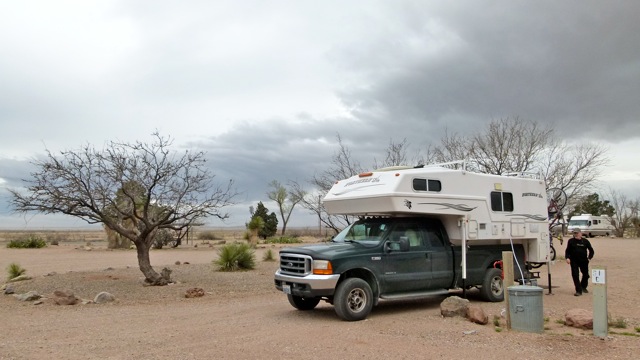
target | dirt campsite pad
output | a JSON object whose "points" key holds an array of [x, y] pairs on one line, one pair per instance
{"points": [[242, 316]]}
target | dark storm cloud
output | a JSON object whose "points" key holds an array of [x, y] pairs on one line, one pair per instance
{"points": [[572, 65], [254, 154]]}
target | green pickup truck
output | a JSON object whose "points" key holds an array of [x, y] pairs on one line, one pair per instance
{"points": [[389, 258]]}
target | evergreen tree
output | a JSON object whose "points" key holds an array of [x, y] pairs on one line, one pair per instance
{"points": [[270, 221], [591, 204]]}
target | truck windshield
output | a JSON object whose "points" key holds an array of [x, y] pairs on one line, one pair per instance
{"points": [[363, 230]]}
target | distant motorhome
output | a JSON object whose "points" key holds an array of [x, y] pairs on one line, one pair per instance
{"points": [[591, 225]]}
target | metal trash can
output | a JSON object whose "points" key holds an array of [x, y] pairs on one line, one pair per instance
{"points": [[525, 308]]}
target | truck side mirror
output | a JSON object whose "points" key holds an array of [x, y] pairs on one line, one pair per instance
{"points": [[402, 244]]}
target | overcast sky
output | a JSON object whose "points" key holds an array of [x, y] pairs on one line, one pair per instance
{"points": [[264, 86]]}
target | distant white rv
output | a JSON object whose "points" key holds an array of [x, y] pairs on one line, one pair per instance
{"points": [[591, 225]]}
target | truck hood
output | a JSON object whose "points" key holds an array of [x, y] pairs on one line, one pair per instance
{"points": [[327, 250]]}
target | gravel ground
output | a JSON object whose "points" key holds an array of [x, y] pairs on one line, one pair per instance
{"points": [[242, 316]]}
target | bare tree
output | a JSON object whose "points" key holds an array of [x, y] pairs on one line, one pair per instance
{"points": [[517, 145], [343, 166], [396, 155], [452, 147], [634, 208], [140, 183], [508, 145], [624, 209], [287, 199], [573, 168]]}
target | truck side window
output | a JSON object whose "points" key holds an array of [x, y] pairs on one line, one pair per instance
{"points": [[413, 232], [435, 239]]}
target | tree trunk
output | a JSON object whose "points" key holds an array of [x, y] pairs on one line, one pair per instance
{"points": [[253, 237], [151, 276]]}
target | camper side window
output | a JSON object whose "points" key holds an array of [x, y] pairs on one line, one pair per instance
{"points": [[427, 185], [501, 201]]}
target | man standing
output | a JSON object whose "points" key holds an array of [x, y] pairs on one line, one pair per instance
{"points": [[578, 254]]}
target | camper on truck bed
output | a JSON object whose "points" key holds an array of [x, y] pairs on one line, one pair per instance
{"points": [[421, 232]]}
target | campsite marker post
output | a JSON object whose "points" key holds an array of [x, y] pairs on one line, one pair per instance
{"points": [[600, 316]]}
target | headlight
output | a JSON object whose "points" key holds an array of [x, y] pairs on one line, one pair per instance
{"points": [[322, 267]]}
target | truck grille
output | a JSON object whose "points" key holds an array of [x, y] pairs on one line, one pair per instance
{"points": [[296, 265]]}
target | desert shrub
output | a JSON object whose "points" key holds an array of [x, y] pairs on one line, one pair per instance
{"points": [[14, 270], [268, 256], [618, 323], [208, 235], [234, 257], [27, 241], [161, 238], [283, 240], [54, 239], [496, 320], [311, 232]]}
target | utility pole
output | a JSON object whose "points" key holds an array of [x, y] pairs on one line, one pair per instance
{"points": [[319, 215]]}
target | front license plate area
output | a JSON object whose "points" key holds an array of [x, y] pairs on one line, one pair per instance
{"points": [[286, 289]]}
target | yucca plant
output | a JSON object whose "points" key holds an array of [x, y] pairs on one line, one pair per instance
{"points": [[234, 257], [14, 270], [268, 256]]}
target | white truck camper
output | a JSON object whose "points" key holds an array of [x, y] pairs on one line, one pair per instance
{"points": [[475, 208]]}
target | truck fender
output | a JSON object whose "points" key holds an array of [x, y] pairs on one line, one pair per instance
{"points": [[366, 275]]}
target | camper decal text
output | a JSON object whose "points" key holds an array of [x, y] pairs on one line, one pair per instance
{"points": [[360, 181]]}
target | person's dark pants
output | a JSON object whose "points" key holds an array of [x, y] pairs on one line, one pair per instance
{"points": [[578, 267]]}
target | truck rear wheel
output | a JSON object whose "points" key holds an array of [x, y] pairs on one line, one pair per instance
{"points": [[303, 303], [353, 299], [492, 286]]}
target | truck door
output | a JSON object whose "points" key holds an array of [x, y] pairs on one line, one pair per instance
{"points": [[407, 271], [440, 257]]}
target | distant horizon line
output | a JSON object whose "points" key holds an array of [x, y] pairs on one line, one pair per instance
{"points": [[99, 227]]}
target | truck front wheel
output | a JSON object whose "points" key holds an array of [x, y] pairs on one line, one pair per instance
{"points": [[492, 286], [353, 299], [303, 303]]}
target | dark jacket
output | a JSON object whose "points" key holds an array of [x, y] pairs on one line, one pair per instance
{"points": [[579, 250]]}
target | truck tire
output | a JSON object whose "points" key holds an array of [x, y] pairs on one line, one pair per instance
{"points": [[353, 299], [492, 286], [303, 303]]}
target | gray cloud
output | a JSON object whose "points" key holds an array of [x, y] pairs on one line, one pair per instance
{"points": [[264, 88]]}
